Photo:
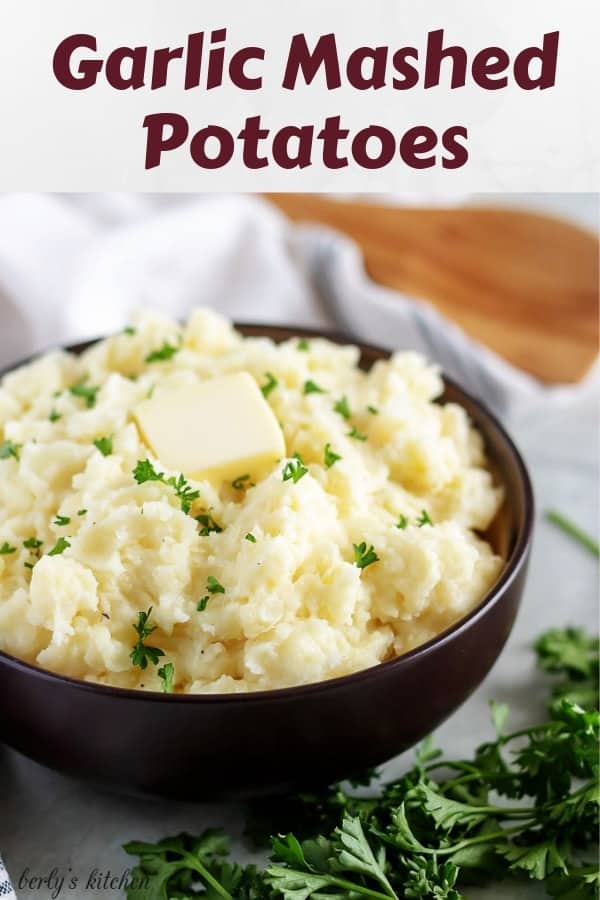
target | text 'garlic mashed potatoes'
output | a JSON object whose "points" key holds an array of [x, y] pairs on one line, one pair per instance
{"points": [[251, 587]]}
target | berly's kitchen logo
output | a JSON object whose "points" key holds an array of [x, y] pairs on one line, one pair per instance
{"points": [[57, 882]]}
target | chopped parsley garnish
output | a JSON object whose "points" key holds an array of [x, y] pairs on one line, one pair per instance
{"points": [[61, 545], [295, 469], [104, 445], [166, 674], [82, 512], [145, 471], [250, 537], [373, 410], [8, 449], [242, 482], [303, 345], [86, 391], [28, 565], [270, 384], [208, 525], [213, 586], [573, 531], [6, 548], [129, 330], [311, 387], [32, 543], [330, 457], [364, 556], [402, 522], [522, 807], [142, 653], [424, 519], [54, 416], [164, 353], [356, 434], [342, 408], [202, 603], [61, 521]]}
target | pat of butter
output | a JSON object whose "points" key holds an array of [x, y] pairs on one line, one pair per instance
{"points": [[218, 429]]}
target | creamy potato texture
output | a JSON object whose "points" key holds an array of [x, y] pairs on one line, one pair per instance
{"points": [[84, 547]]}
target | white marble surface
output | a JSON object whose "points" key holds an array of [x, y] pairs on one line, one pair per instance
{"points": [[48, 822]]}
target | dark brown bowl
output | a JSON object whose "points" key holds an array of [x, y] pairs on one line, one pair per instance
{"points": [[232, 745]]}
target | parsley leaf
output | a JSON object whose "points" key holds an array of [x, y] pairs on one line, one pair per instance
{"points": [[242, 482], [213, 585], [342, 408], [61, 521], [164, 353], [364, 556], [330, 458], [54, 416], [208, 525], [82, 512], [61, 545], [250, 537], [303, 345], [129, 330], [145, 471], [311, 387], [356, 434], [202, 603], [424, 519], [270, 384], [373, 410], [402, 522], [32, 543], [8, 449], [86, 391], [141, 653], [104, 445], [295, 469], [166, 674], [6, 549]]}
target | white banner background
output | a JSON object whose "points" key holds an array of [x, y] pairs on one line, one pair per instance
{"points": [[56, 139]]}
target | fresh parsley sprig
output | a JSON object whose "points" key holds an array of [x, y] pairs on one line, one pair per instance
{"points": [[295, 469], [145, 471], [142, 653], [9, 449]]}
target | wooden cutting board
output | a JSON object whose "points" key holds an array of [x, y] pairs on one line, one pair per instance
{"points": [[524, 284]]}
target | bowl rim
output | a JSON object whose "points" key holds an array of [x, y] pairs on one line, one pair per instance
{"points": [[511, 570]]}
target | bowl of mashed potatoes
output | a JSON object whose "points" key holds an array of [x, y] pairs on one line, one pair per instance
{"points": [[237, 559]]}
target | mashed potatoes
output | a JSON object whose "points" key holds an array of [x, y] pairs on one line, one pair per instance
{"points": [[256, 586]]}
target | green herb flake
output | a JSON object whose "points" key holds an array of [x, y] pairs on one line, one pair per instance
{"points": [[144, 471], [141, 653], [342, 408], [166, 674], [424, 519], [303, 345], [82, 512], [311, 387], [250, 537], [164, 353], [202, 603], [330, 457], [208, 525], [295, 469], [6, 549], [364, 556], [270, 384], [242, 483], [213, 586], [28, 565], [356, 434], [61, 521], [373, 410], [54, 416], [130, 331], [8, 449], [104, 445], [402, 522], [61, 545], [86, 391], [32, 543]]}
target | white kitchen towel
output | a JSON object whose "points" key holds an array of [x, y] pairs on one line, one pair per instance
{"points": [[6, 891]]}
